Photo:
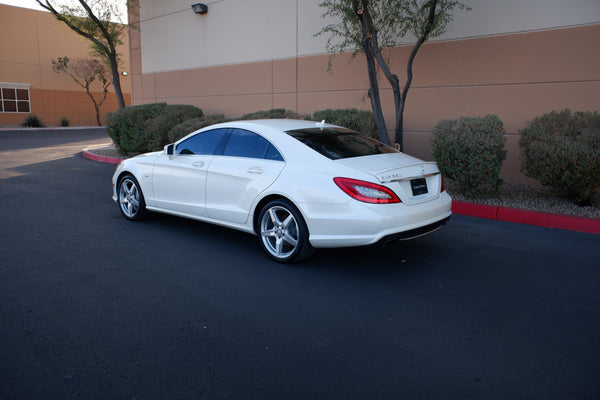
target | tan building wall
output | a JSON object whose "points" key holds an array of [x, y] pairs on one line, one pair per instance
{"points": [[516, 75], [29, 40]]}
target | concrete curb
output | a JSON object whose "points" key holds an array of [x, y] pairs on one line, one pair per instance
{"points": [[89, 154], [537, 218], [104, 159], [507, 214]]}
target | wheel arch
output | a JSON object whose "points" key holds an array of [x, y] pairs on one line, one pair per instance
{"points": [[124, 173], [267, 199], [131, 172]]}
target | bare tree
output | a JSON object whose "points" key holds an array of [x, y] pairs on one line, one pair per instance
{"points": [[85, 72]]}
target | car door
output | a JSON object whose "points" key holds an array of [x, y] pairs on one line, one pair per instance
{"points": [[179, 180], [248, 165]]}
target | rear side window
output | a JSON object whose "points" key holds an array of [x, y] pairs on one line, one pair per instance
{"points": [[336, 143], [204, 143], [243, 143], [273, 153]]}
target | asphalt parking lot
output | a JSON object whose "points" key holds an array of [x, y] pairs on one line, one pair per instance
{"points": [[96, 307]]}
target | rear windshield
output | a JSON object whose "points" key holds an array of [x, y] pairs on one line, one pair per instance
{"points": [[335, 143]]}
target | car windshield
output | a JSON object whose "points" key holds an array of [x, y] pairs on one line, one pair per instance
{"points": [[337, 143]]}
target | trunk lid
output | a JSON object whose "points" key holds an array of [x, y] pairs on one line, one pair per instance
{"points": [[414, 181]]}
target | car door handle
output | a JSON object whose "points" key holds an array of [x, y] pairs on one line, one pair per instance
{"points": [[199, 164], [256, 170]]}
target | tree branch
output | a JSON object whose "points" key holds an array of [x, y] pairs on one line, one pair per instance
{"points": [[100, 25], [48, 6], [422, 38]]}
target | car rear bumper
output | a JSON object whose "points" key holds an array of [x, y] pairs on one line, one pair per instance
{"points": [[414, 233], [361, 224]]}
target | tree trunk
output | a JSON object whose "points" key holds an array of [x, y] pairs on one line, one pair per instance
{"points": [[376, 99], [96, 105], [116, 81], [399, 137], [369, 47], [97, 114]]}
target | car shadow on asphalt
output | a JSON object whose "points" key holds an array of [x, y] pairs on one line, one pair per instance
{"points": [[402, 257], [229, 245]]}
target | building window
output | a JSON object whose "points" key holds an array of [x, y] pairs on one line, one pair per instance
{"points": [[14, 97]]}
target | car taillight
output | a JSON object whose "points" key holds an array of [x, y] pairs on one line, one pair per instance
{"points": [[367, 192], [443, 186]]}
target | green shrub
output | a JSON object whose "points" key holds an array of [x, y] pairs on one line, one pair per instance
{"points": [[125, 126], [351, 118], [157, 129], [32, 121], [64, 122], [276, 113], [470, 151], [144, 128], [194, 124], [562, 150]]}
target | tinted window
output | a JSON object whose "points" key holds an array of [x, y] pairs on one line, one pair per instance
{"points": [[248, 144], [202, 143], [273, 153], [340, 143]]}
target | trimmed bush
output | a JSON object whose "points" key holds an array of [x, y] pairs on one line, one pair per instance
{"points": [[276, 113], [64, 122], [358, 120], [194, 124], [125, 125], [32, 121], [470, 151], [144, 128], [158, 128], [562, 150]]}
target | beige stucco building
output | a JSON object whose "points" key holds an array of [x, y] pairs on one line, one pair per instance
{"points": [[29, 41], [517, 59]]}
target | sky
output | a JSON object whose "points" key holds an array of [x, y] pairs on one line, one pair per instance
{"points": [[22, 3], [34, 5]]}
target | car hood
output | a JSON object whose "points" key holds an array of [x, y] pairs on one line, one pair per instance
{"points": [[392, 166]]}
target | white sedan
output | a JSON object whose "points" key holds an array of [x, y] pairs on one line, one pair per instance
{"points": [[297, 185]]}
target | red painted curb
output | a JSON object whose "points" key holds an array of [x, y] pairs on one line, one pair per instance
{"points": [[475, 210], [544, 219], [572, 223], [104, 159]]}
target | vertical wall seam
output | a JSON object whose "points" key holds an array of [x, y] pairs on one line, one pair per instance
{"points": [[297, 55]]}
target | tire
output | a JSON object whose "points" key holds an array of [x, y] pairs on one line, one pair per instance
{"points": [[131, 199], [282, 232]]}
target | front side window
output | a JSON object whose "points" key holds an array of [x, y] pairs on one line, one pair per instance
{"points": [[204, 143], [243, 143], [335, 143]]}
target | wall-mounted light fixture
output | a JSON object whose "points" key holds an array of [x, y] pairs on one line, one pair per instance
{"points": [[200, 8], [124, 73]]}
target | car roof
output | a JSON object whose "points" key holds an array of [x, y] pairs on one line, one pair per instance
{"points": [[281, 124], [273, 130]]}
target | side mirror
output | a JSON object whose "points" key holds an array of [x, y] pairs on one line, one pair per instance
{"points": [[169, 149]]}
